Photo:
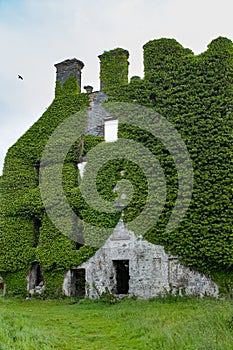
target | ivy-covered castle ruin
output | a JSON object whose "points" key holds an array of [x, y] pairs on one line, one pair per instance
{"points": [[194, 93]]}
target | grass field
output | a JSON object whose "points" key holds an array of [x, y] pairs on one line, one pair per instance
{"points": [[186, 324]]}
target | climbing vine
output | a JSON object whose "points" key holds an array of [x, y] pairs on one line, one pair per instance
{"points": [[114, 69], [194, 93], [22, 212]]}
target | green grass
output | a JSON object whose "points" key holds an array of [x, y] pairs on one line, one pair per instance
{"points": [[158, 324]]}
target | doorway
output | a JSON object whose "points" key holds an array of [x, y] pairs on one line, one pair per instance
{"points": [[122, 276], [35, 279], [78, 282]]}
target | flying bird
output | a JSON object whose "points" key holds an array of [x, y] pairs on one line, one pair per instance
{"points": [[20, 77]]}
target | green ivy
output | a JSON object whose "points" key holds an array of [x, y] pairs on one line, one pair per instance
{"points": [[26, 234], [114, 69], [195, 94], [16, 283]]}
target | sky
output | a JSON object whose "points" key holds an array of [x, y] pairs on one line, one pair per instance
{"points": [[36, 34]]}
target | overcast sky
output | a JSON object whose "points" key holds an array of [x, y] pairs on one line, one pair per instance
{"points": [[35, 34]]}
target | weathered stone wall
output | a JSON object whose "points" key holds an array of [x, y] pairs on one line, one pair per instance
{"points": [[151, 270], [69, 68], [67, 285], [96, 114]]}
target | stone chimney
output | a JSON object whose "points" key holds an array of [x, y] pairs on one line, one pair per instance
{"points": [[68, 68], [88, 89], [113, 68]]}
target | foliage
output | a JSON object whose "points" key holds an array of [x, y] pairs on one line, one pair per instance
{"points": [[26, 233], [114, 69], [16, 282], [195, 94]]}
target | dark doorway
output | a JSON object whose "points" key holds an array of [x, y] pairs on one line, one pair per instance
{"points": [[122, 276], [78, 281], [36, 280], [39, 276]]}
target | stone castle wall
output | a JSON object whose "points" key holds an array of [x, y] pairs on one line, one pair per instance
{"points": [[152, 271]]}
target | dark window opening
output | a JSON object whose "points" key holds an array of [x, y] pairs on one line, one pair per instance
{"points": [[122, 276], [78, 245], [37, 225], [78, 282], [39, 276]]}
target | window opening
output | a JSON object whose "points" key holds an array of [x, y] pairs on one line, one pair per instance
{"points": [[37, 225], [110, 130]]}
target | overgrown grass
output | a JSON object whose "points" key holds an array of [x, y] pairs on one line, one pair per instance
{"points": [[189, 324]]}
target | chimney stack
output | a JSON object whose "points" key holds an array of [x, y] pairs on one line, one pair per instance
{"points": [[113, 69], [67, 68], [88, 89]]}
